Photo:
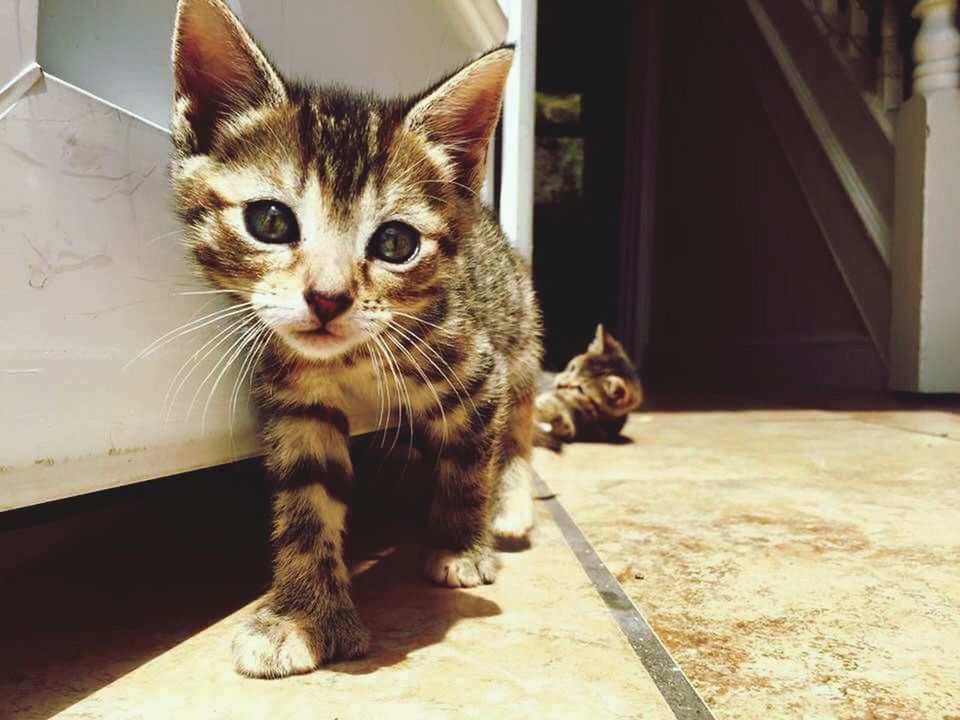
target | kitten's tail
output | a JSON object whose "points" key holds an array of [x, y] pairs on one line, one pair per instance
{"points": [[542, 437]]}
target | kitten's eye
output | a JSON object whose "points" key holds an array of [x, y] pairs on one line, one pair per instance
{"points": [[395, 242], [270, 221]]}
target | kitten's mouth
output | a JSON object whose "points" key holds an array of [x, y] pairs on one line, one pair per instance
{"points": [[320, 341], [319, 337], [322, 331]]}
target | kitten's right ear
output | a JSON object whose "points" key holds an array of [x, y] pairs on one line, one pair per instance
{"points": [[218, 70]]}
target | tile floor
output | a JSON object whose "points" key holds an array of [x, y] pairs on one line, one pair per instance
{"points": [[797, 562], [798, 557]]}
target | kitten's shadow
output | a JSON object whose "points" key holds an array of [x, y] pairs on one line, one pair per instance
{"points": [[403, 611], [618, 439]]}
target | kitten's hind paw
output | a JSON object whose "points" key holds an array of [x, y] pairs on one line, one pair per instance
{"points": [[269, 645], [466, 569]]}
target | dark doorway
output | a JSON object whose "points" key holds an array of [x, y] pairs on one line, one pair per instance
{"points": [[581, 101]]}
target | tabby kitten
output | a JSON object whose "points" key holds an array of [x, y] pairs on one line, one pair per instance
{"points": [[591, 397], [349, 231]]}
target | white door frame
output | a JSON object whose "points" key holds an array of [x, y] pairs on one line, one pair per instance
{"points": [[517, 148]]}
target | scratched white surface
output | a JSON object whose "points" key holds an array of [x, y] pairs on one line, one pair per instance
{"points": [[91, 268], [91, 265]]}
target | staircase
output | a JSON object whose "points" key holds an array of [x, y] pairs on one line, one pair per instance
{"points": [[863, 96]]}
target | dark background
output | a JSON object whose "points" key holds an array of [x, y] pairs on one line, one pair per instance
{"points": [[576, 246]]}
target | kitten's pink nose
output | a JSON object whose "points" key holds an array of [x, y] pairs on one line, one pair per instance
{"points": [[327, 307]]}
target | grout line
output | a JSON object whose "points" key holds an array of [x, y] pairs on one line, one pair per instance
{"points": [[682, 698], [912, 431]]}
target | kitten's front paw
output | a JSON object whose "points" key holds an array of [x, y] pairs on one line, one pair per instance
{"points": [[465, 569], [269, 645]]}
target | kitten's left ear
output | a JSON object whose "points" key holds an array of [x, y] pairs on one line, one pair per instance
{"points": [[604, 343], [218, 70], [461, 113]]}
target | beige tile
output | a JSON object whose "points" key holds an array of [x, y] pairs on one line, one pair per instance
{"points": [[798, 563], [140, 627]]}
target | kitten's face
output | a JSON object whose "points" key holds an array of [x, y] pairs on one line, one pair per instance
{"points": [[328, 236], [604, 374], [333, 214]]}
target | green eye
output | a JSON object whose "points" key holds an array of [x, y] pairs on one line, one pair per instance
{"points": [[270, 221], [395, 242]]}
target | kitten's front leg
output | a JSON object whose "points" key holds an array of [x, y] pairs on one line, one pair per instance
{"points": [[458, 538], [307, 618]]}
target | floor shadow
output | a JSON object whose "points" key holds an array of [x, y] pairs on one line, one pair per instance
{"points": [[85, 615], [618, 439], [512, 545], [191, 551], [403, 612]]}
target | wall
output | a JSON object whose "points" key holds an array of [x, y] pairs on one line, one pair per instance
{"points": [[744, 286]]}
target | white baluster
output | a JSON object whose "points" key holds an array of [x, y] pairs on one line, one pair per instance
{"points": [[937, 49], [925, 342], [891, 64]]}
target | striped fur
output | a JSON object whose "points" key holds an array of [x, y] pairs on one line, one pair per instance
{"points": [[591, 398], [448, 343]]}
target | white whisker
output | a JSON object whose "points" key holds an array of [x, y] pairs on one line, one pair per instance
{"points": [[242, 334], [189, 327], [376, 372], [246, 367], [417, 340], [426, 381], [234, 354], [170, 399], [395, 372], [150, 242]]}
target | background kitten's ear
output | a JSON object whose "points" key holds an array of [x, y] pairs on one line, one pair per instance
{"points": [[597, 345], [461, 113], [616, 389], [604, 343], [218, 70]]}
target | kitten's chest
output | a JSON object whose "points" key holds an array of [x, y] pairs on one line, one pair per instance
{"points": [[354, 389], [361, 399], [372, 397]]}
